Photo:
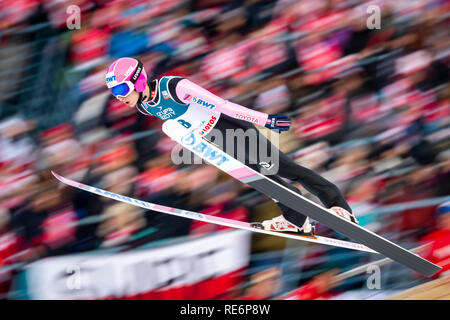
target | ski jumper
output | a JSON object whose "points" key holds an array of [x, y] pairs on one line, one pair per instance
{"points": [[194, 107]]}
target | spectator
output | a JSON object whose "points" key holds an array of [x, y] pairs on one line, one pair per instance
{"points": [[121, 221], [438, 249], [263, 285]]}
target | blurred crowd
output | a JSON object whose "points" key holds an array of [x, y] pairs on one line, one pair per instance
{"points": [[370, 111]]}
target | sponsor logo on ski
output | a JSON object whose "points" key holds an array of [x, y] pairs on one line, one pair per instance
{"points": [[120, 197], [204, 150]]}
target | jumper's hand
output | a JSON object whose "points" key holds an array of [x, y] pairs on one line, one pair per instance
{"points": [[278, 122]]}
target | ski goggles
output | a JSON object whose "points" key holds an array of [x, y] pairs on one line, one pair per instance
{"points": [[124, 88]]}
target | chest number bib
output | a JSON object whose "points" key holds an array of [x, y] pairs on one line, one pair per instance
{"points": [[184, 123]]}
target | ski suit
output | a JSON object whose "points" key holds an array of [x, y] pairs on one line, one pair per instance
{"points": [[195, 107]]}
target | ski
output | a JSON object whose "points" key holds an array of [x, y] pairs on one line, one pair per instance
{"points": [[195, 142], [211, 219]]}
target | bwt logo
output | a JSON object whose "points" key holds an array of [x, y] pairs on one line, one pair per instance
{"points": [[203, 103], [122, 198], [109, 79], [204, 150]]}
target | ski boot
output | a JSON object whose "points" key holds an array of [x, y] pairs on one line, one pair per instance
{"points": [[344, 214], [280, 224]]}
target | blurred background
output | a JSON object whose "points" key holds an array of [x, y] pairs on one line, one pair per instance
{"points": [[370, 112]]}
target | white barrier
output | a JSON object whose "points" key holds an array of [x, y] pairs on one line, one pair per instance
{"points": [[127, 274]]}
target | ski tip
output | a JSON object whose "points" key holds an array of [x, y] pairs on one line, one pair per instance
{"points": [[433, 270], [57, 176]]}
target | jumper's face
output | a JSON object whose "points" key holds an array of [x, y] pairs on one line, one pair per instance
{"points": [[131, 99]]}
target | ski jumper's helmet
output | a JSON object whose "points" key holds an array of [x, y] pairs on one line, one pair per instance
{"points": [[125, 75]]}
